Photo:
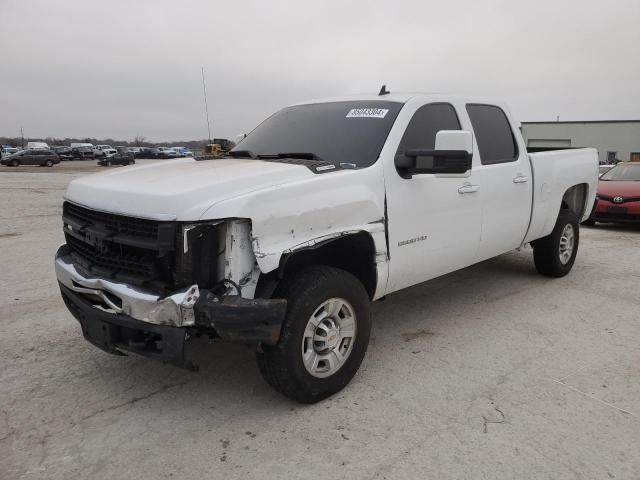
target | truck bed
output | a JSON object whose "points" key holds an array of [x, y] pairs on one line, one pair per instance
{"points": [[554, 172]]}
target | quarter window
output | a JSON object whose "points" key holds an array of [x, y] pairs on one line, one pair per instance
{"points": [[495, 139]]}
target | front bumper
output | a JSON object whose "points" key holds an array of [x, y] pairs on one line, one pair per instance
{"points": [[117, 317], [626, 212]]}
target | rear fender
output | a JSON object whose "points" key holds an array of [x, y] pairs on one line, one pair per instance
{"points": [[568, 177]]}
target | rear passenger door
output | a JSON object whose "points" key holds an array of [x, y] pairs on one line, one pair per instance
{"points": [[504, 176]]}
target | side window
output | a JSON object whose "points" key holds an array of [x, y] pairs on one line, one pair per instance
{"points": [[426, 122], [493, 134]]}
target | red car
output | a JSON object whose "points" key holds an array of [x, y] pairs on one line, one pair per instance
{"points": [[618, 198]]}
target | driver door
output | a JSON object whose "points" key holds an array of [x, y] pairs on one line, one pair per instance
{"points": [[433, 219]]}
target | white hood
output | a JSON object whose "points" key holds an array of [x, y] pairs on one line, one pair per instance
{"points": [[178, 189]]}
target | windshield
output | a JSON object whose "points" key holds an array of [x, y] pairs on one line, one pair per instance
{"points": [[350, 132], [623, 173]]}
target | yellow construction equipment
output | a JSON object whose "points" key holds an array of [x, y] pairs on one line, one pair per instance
{"points": [[219, 147]]}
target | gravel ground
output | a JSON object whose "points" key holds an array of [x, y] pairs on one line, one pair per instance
{"points": [[490, 372]]}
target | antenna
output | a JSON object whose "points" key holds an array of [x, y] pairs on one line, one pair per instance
{"points": [[206, 106], [383, 91]]}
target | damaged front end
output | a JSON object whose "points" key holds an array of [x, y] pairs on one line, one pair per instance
{"points": [[148, 287]]}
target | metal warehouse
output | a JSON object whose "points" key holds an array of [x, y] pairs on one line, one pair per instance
{"points": [[614, 139]]}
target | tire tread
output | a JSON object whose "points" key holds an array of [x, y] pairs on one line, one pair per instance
{"points": [[272, 360]]}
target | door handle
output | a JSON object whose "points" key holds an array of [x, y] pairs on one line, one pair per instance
{"points": [[521, 179], [468, 188]]}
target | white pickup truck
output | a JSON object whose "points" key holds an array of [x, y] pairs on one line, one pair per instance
{"points": [[325, 207]]}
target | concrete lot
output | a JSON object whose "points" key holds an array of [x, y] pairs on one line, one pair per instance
{"points": [[490, 372]]}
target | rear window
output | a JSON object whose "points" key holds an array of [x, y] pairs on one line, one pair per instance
{"points": [[493, 134], [351, 132]]}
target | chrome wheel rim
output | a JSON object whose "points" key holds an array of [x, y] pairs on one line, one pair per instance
{"points": [[567, 243], [329, 337]]}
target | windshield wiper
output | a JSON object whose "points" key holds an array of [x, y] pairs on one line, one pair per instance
{"points": [[301, 155], [242, 154]]}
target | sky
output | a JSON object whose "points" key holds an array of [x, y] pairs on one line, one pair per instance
{"points": [[120, 69]]}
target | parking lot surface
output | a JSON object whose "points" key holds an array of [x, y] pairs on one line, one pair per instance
{"points": [[489, 372]]}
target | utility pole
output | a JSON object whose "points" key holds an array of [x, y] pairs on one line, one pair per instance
{"points": [[206, 106], [22, 135]]}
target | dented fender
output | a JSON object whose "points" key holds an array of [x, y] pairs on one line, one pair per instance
{"points": [[300, 214]]}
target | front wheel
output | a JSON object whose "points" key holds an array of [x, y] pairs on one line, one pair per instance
{"points": [[555, 254], [324, 336], [49, 163], [15, 163]]}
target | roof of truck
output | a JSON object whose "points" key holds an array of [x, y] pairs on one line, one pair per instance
{"points": [[405, 97]]}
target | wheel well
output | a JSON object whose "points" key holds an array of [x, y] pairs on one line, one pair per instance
{"points": [[354, 253], [575, 199]]}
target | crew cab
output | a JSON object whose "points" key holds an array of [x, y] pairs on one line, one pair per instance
{"points": [[323, 208]]}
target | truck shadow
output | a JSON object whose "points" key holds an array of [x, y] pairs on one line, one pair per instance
{"points": [[229, 375]]}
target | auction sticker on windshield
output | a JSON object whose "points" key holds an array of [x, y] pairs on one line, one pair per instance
{"points": [[367, 113]]}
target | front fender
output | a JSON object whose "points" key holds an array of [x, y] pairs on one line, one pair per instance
{"points": [[288, 217]]}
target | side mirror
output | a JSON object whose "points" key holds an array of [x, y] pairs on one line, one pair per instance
{"points": [[452, 155]]}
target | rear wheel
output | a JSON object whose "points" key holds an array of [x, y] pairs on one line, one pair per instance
{"points": [[324, 336], [555, 254], [49, 163]]}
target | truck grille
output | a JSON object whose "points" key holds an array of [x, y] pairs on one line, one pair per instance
{"points": [[113, 223], [132, 250]]}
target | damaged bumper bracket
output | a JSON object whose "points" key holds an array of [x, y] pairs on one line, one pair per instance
{"points": [[238, 319]]}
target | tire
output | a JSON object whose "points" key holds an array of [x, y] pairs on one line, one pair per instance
{"points": [[109, 163], [15, 163], [551, 254], [283, 365], [49, 163]]}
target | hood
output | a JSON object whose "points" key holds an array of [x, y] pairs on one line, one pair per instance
{"points": [[611, 188], [178, 189]]}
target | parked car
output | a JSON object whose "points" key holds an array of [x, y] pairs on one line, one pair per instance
{"points": [[143, 152], [184, 151], [285, 245], [80, 144], [82, 153], [148, 152], [122, 157], [166, 152], [618, 198], [7, 150], [37, 146], [36, 156], [103, 151], [64, 153], [174, 154]]}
